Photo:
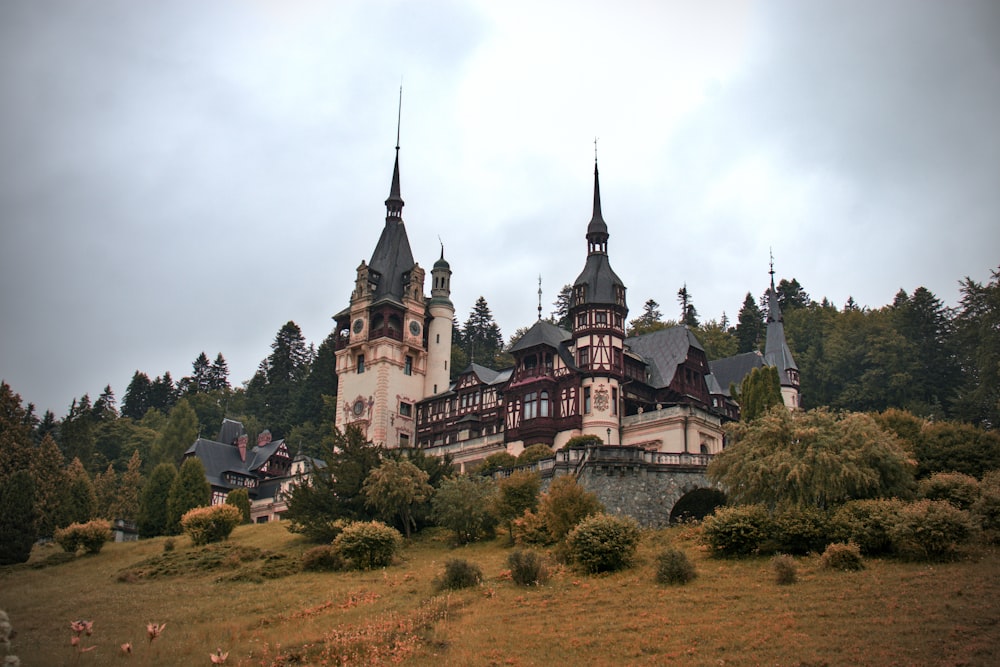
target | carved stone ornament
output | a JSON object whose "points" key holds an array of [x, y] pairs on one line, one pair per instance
{"points": [[602, 399]]}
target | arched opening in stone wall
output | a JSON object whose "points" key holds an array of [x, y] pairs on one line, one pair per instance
{"points": [[696, 505]]}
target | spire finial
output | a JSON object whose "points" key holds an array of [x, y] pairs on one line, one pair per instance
{"points": [[595, 150], [442, 246], [399, 112], [771, 251], [539, 296]]}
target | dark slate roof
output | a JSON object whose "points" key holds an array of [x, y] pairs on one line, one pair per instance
{"points": [[392, 258], [218, 458], [732, 370], [713, 386], [259, 455], [600, 280], [488, 375], [776, 352], [542, 333], [663, 351]]}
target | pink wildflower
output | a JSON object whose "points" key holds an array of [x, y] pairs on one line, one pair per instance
{"points": [[219, 657], [153, 630]]}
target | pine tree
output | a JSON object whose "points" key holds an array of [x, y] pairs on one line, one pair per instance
{"points": [[689, 314], [15, 434], [219, 374], [77, 431], [48, 469], [105, 407], [163, 393], [153, 514], [321, 382], [138, 396], [650, 320], [189, 489], [481, 339], [562, 304], [791, 296], [749, 326], [129, 490], [80, 490], [240, 499], [200, 379], [180, 433], [106, 493], [18, 530]]}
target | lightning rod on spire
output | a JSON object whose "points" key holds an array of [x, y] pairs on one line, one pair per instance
{"points": [[539, 296], [399, 113]]}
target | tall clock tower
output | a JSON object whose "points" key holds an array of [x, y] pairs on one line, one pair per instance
{"points": [[598, 312], [390, 339]]}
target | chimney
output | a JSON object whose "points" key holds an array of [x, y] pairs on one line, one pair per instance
{"points": [[264, 438], [241, 444]]}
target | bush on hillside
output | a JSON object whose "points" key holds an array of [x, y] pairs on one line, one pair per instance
{"points": [[930, 530], [91, 536], [959, 489], [785, 570], [674, 567], [527, 568], [866, 523], [458, 574], [800, 530], [603, 543], [211, 524], [841, 556], [530, 528], [565, 505], [736, 531], [986, 510], [324, 558], [368, 544]]}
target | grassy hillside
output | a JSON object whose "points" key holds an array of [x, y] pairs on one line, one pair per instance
{"points": [[256, 606]]}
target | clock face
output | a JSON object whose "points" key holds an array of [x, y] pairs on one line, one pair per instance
{"points": [[359, 407], [414, 328], [358, 325]]}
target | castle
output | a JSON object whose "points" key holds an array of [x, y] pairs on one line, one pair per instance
{"points": [[656, 393]]}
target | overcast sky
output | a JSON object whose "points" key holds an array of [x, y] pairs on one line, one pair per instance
{"points": [[179, 177]]}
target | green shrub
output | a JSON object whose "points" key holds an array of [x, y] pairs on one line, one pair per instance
{"points": [[459, 574], [91, 536], [866, 523], [534, 453], [674, 567], [169, 545], [530, 528], [986, 510], [565, 505], [324, 558], [736, 531], [240, 498], [603, 542], [368, 544], [210, 524], [841, 556], [930, 530], [786, 572], [959, 489], [527, 568], [800, 530]]}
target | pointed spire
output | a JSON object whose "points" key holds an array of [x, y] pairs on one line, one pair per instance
{"points": [[597, 230], [394, 204]]}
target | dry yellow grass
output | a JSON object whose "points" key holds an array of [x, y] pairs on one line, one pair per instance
{"points": [[891, 613]]}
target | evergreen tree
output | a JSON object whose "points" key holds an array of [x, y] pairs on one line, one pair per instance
{"points": [[138, 396], [163, 393], [200, 379], [750, 326], [719, 342], [129, 490], [791, 296], [47, 426], [48, 469], [273, 392], [334, 491], [105, 407], [153, 513], [650, 320], [759, 391], [926, 325], [219, 374], [190, 489], [240, 499], [82, 505], [562, 303], [15, 434], [18, 531], [976, 327], [77, 431], [180, 433], [106, 493], [481, 338], [319, 384], [689, 314]]}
